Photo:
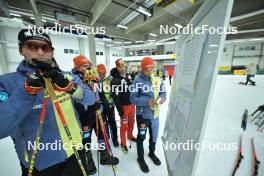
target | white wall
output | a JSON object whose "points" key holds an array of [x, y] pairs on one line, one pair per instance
{"points": [[86, 47], [227, 55], [242, 56], [100, 59], [61, 42], [170, 47], [113, 50], [12, 53]]}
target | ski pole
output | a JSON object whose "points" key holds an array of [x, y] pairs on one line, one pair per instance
{"points": [[39, 130], [54, 99], [106, 139], [98, 156], [256, 162], [108, 147]]}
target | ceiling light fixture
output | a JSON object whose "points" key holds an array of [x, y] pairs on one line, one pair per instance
{"points": [[144, 11], [121, 26], [213, 45], [118, 42], [14, 14], [154, 35]]}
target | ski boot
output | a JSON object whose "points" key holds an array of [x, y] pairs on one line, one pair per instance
{"points": [[124, 149], [107, 159], [115, 142], [143, 165], [154, 158], [91, 168]]}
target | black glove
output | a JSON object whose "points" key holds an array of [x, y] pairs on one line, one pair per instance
{"points": [[34, 83], [54, 73], [44, 66], [35, 80], [57, 78]]}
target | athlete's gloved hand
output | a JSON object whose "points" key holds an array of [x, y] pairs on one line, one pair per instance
{"points": [[34, 83], [60, 82]]}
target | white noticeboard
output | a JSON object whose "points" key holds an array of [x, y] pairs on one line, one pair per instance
{"points": [[191, 52], [193, 86]]}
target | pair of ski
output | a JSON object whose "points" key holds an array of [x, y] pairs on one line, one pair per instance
{"points": [[258, 117], [240, 157]]}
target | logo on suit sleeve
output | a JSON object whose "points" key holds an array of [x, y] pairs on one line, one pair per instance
{"points": [[3, 96]]}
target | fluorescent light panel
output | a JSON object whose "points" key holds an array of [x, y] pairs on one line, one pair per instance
{"points": [[14, 14], [144, 11], [121, 26], [154, 35], [118, 42]]}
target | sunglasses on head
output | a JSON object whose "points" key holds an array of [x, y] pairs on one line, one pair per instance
{"points": [[35, 47]]}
